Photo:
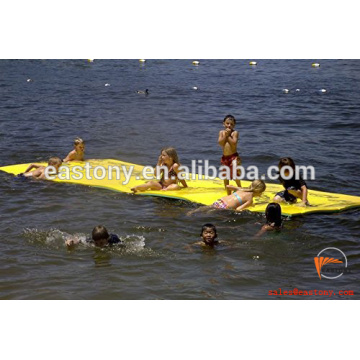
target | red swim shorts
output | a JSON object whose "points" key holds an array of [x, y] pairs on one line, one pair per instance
{"points": [[228, 161]]}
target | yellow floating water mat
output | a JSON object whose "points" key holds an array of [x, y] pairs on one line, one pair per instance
{"points": [[199, 191]]}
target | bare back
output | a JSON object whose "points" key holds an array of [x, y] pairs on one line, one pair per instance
{"points": [[233, 201], [74, 156]]}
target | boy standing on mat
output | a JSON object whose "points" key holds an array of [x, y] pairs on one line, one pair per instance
{"points": [[228, 140]]}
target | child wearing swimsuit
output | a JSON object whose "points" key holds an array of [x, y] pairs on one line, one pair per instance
{"points": [[168, 160], [242, 198], [228, 140], [294, 188], [171, 175]]}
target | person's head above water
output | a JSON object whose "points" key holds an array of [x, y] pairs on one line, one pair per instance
{"points": [[100, 235], [79, 144], [273, 214], [208, 233]]}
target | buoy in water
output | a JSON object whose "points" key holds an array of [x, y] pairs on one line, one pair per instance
{"points": [[286, 91], [196, 63], [90, 60], [323, 90], [252, 63], [195, 87], [107, 84], [315, 65], [142, 60], [29, 80]]}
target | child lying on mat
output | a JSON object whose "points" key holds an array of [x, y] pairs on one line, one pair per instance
{"points": [[39, 172], [241, 199]]}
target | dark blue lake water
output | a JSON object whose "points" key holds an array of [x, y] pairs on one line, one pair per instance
{"points": [[68, 98]]}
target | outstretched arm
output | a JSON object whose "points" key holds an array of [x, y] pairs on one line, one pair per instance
{"points": [[263, 230], [232, 187], [72, 241], [244, 206], [32, 166], [304, 192]]}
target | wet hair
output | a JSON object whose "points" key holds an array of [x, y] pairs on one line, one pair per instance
{"points": [[257, 187], [100, 233], [79, 141], [208, 226], [171, 152], [273, 214], [229, 117], [286, 161], [54, 160]]}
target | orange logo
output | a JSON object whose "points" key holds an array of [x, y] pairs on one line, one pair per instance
{"points": [[321, 261], [330, 255]]}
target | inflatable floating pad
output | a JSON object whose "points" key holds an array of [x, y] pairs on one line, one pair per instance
{"points": [[200, 191]]}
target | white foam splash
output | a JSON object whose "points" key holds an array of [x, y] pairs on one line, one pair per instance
{"points": [[133, 241]]}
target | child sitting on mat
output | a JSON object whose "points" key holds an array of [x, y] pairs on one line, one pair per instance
{"points": [[169, 159]]}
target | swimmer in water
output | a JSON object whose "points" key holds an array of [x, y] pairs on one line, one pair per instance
{"points": [[208, 236], [100, 238], [78, 153], [273, 219]]}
